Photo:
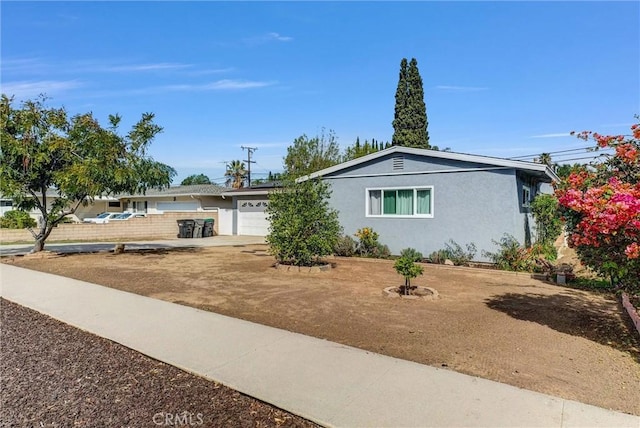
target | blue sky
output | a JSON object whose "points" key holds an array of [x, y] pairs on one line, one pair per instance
{"points": [[501, 78]]}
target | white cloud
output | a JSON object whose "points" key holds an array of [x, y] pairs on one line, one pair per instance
{"points": [[22, 65], [145, 67], [278, 37], [552, 135], [218, 85], [453, 88], [267, 38], [235, 84], [211, 71], [29, 89]]}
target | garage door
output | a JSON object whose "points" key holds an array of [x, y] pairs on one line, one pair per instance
{"points": [[252, 220], [177, 206]]}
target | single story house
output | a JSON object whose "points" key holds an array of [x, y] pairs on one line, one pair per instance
{"points": [[100, 204], [196, 201], [248, 209], [421, 198]]}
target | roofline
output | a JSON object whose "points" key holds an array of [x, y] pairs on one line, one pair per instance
{"points": [[531, 166], [256, 192], [164, 195]]}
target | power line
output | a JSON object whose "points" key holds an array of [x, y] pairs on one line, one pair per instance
{"points": [[551, 153]]}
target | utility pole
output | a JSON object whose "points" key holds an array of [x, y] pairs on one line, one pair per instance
{"points": [[250, 151], [226, 168]]}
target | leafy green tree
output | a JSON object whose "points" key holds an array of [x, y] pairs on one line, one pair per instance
{"points": [[195, 179], [308, 155], [358, 150], [304, 228], [410, 118], [563, 171], [236, 174], [42, 148]]}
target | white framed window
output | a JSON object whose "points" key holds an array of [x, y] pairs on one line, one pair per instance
{"points": [[400, 202]]}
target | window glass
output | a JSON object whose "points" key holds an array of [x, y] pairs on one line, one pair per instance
{"points": [[402, 202], [375, 202], [424, 202]]}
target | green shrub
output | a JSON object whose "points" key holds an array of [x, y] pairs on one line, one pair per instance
{"points": [[368, 245], [304, 227], [511, 255], [412, 254], [454, 252], [381, 252], [548, 218], [16, 219], [367, 241], [345, 246], [547, 251]]}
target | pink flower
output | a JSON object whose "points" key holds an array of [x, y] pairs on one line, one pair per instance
{"points": [[632, 251]]}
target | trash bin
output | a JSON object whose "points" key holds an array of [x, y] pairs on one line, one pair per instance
{"points": [[208, 228], [197, 230], [185, 228]]}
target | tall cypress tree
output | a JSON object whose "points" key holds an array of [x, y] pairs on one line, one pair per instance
{"points": [[410, 119], [400, 122]]}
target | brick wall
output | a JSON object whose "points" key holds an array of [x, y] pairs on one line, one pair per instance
{"points": [[158, 226]]}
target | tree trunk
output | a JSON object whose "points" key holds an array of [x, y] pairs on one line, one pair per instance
{"points": [[41, 237], [38, 246]]}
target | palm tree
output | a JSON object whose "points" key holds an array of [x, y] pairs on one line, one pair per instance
{"points": [[236, 174], [545, 158]]}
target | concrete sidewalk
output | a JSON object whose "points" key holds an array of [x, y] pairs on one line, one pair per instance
{"points": [[329, 383]]}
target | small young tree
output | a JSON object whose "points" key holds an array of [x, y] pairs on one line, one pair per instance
{"points": [[406, 266], [304, 228]]}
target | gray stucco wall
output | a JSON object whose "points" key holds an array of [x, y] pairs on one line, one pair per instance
{"points": [[471, 206]]}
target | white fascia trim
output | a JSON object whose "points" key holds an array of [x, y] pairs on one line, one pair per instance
{"points": [[442, 171], [252, 193], [506, 163]]}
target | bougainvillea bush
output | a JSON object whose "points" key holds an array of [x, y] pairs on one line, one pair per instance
{"points": [[601, 206]]}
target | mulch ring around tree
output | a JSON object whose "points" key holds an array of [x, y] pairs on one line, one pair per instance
{"points": [[417, 292]]}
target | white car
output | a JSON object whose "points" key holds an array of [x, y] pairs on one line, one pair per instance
{"points": [[101, 218], [127, 216]]}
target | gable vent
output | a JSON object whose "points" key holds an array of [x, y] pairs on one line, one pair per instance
{"points": [[397, 163]]}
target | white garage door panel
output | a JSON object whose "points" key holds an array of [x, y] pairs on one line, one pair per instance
{"points": [[177, 206], [253, 223]]}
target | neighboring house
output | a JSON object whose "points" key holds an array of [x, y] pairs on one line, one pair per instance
{"points": [[199, 199], [5, 205], [249, 204], [423, 198], [100, 204]]}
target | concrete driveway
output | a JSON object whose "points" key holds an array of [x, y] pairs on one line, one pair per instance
{"points": [[92, 247]]}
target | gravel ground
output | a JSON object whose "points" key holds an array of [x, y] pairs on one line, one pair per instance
{"points": [[55, 375]]}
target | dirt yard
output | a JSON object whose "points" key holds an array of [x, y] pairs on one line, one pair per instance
{"points": [[496, 325]]}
